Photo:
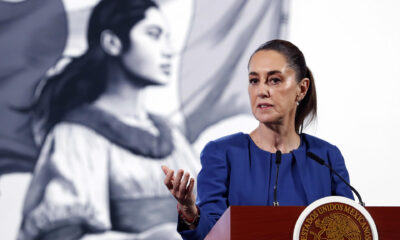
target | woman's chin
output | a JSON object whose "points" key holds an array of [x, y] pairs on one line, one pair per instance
{"points": [[159, 82], [160, 78], [268, 120], [262, 118]]}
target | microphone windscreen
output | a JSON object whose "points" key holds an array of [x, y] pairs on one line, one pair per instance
{"points": [[278, 157]]}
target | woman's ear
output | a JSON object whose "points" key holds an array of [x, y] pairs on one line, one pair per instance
{"points": [[110, 43], [303, 86]]}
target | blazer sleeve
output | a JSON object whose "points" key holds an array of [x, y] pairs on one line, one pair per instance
{"points": [[212, 188], [339, 188]]}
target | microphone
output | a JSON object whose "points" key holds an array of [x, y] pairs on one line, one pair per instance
{"points": [[322, 162], [278, 162]]}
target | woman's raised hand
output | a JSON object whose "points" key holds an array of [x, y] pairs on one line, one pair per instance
{"points": [[181, 187]]}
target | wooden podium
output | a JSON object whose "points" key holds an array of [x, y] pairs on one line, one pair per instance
{"points": [[277, 223]]}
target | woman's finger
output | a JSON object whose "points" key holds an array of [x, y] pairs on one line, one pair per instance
{"points": [[168, 181], [165, 169], [190, 187], [177, 181], [189, 197], [183, 186]]}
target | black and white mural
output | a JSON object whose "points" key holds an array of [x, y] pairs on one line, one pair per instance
{"points": [[96, 95]]}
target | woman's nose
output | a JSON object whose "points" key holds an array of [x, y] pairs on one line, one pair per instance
{"points": [[169, 51], [263, 91], [168, 54]]}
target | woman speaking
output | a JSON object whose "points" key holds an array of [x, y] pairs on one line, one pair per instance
{"points": [[242, 169]]}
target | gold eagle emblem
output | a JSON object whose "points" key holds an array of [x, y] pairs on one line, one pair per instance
{"points": [[336, 226]]}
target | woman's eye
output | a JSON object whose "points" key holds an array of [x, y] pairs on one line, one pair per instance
{"points": [[274, 80], [253, 80], [154, 32], [155, 35]]}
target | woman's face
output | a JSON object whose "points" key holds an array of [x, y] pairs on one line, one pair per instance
{"points": [[273, 89], [149, 55]]}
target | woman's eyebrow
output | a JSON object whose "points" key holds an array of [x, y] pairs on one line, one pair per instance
{"points": [[268, 73], [253, 73], [273, 72]]}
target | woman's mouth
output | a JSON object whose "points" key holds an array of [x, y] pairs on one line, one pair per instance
{"points": [[166, 68], [264, 105]]}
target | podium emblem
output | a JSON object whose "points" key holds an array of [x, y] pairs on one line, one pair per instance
{"points": [[335, 218]]}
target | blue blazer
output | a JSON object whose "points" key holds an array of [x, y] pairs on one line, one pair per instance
{"points": [[227, 178]]}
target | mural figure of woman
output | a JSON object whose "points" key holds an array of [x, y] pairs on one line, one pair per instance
{"points": [[99, 166]]}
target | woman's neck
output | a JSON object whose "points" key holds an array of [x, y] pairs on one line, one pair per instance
{"points": [[273, 137], [122, 97]]}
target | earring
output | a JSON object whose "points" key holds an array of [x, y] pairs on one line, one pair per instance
{"points": [[298, 103]]}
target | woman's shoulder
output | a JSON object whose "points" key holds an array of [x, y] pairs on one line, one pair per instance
{"points": [[314, 143], [70, 135], [74, 130], [236, 140], [68, 143]]}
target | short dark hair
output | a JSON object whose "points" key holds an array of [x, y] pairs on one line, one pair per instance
{"points": [[295, 58]]}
